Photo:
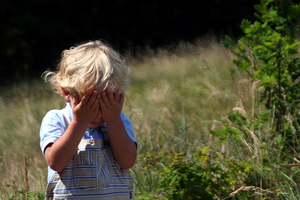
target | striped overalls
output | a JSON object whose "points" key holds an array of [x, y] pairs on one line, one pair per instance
{"points": [[91, 174]]}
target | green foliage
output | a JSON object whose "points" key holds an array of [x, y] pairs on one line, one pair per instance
{"points": [[182, 180], [196, 176], [267, 53], [22, 194]]}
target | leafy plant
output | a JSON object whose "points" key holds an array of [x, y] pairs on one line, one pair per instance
{"points": [[267, 53], [199, 176]]}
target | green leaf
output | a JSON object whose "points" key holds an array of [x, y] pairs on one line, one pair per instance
{"points": [[222, 141], [222, 132], [184, 176], [205, 150], [228, 43], [279, 139], [167, 170], [257, 25], [276, 37], [245, 64], [245, 24], [173, 179], [31, 194]]}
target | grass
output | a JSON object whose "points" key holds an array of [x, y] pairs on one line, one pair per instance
{"points": [[22, 109], [176, 97], [181, 91]]}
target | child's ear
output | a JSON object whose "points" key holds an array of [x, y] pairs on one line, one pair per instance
{"points": [[66, 95]]}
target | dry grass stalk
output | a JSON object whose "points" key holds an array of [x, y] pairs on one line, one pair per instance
{"points": [[250, 188], [251, 57], [26, 178], [290, 165]]}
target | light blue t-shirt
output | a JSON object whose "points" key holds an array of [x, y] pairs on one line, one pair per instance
{"points": [[54, 125]]}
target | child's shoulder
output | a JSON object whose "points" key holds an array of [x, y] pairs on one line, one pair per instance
{"points": [[53, 120], [54, 115], [54, 112]]}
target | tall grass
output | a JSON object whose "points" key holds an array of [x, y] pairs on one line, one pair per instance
{"points": [[177, 96], [22, 109]]}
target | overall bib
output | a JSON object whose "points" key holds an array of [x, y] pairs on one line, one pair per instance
{"points": [[91, 174]]}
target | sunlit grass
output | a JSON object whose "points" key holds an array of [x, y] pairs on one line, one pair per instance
{"points": [[170, 94], [22, 109]]}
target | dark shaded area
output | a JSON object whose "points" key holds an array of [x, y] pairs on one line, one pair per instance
{"points": [[34, 33]]}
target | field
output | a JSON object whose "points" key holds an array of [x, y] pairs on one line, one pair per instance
{"points": [[177, 97]]}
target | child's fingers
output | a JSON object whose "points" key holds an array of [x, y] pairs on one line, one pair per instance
{"points": [[96, 105], [92, 103], [99, 103], [117, 95], [102, 104], [110, 96], [122, 97], [88, 99], [105, 98], [74, 100], [85, 98], [93, 100]]}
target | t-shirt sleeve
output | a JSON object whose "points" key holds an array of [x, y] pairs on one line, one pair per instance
{"points": [[52, 128], [128, 127]]}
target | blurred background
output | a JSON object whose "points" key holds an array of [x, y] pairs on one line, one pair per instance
{"points": [[35, 32]]}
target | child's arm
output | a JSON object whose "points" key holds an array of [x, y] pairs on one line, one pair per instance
{"points": [[124, 149], [59, 153]]}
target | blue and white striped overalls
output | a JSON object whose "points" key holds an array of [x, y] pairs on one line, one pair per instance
{"points": [[91, 174]]}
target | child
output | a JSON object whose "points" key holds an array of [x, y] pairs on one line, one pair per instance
{"points": [[89, 145]]}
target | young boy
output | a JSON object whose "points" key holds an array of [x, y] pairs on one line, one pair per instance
{"points": [[89, 145]]}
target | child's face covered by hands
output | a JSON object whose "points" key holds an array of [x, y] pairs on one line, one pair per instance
{"points": [[111, 104], [95, 108]]}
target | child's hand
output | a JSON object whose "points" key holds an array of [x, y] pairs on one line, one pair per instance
{"points": [[86, 110], [111, 105]]}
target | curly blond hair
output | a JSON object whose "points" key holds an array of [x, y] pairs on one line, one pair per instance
{"points": [[89, 66]]}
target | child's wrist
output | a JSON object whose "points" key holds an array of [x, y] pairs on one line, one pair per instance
{"points": [[80, 123], [113, 121]]}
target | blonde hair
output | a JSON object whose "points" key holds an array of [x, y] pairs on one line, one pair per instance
{"points": [[89, 66]]}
